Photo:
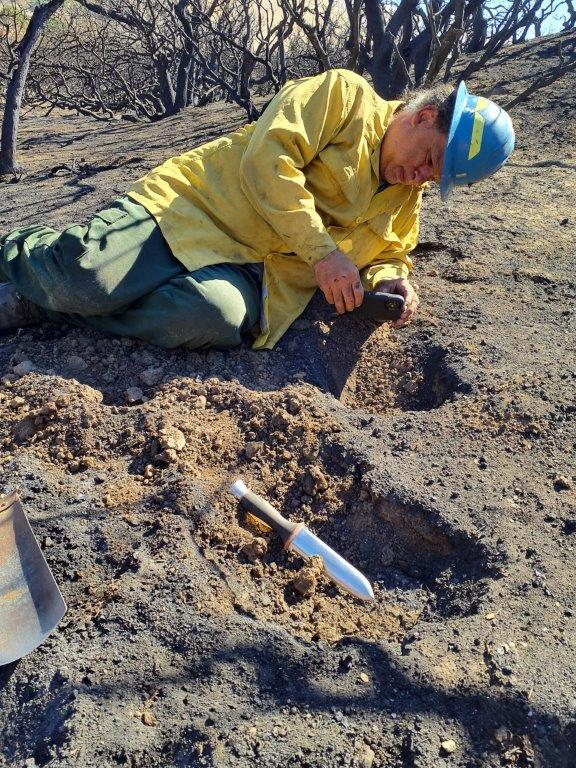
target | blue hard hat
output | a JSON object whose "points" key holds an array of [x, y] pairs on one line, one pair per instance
{"points": [[480, 139]]}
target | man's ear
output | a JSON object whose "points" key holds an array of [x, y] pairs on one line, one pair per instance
{"points": [[427, 116]]}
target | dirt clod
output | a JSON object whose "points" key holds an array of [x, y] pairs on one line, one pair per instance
{"points": [[366, 756], [562, 483], [148, 718], [252, 449], [448, 746], [133, 395], [171, 438], [255, 549], [314, 481], [306, 581], [23, 368]]}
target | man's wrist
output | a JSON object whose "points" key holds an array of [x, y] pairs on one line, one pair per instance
{"points": [[333, 252], [329, 259], [317, 254]]}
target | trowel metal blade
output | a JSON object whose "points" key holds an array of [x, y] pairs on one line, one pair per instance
{"points": [[339, 570], [31, 604]]}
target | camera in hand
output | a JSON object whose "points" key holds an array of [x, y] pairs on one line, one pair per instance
{"points": [[380, 307]]}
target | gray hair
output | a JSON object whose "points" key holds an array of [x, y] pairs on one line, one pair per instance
{"points": [[440, 96]]}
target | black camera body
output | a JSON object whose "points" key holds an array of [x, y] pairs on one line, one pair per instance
{"points": [[380, 307]]}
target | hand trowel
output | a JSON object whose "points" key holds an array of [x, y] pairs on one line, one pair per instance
{"points": [[31, 604], [298, 538]]}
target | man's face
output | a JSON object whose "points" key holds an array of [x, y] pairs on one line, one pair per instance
{"points": [[412, 151]]}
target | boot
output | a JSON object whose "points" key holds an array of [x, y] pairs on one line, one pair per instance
{"points": [[15, 310]]}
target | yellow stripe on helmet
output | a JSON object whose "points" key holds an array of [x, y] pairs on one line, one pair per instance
{"points": [[476, 138]]}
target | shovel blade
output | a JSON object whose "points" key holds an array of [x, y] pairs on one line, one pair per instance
{"points": [[31, 604]]}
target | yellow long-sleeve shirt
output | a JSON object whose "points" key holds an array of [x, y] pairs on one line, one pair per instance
{"points": [[286, 191]]}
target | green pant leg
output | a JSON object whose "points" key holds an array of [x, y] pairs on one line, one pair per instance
{"points": [[118, 257], [210, 307]]}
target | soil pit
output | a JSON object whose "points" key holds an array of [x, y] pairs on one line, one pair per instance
{"points": [[403, 554], [165, 466], [403, 379], [371, 368]]}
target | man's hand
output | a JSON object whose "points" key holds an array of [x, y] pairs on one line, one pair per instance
{"points": [[339, 280], [402, 287]]}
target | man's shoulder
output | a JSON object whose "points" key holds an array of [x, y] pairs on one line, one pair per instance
{"points": [[359, 86], [353, 78], [331, 76]]}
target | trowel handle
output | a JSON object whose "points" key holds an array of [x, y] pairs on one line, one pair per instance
{"points": [[264, 511]]}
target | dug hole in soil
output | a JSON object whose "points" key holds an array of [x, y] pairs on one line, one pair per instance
{"points": [[438, 459]]}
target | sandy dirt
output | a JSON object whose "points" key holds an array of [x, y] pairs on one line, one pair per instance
{"points": [[439, 459]]}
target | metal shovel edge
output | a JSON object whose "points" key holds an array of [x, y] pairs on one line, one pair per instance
{"points": [[31, 604]]}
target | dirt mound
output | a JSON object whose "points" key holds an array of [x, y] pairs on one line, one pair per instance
{"points": [[438, 459]]}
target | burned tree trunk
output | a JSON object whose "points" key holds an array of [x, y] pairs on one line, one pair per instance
{"points": [[479, 34], [389, 80], [17, 83]]}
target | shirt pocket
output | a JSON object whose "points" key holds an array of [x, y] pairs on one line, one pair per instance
{"points": [[347, 181], [111, 215], [342, 163]]}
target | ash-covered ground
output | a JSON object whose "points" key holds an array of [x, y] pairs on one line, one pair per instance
{"points": [[439, 459]]}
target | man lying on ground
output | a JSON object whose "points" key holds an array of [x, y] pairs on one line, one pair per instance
{"points": [[232, 238]]}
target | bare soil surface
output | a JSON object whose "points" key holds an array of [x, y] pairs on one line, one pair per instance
{"points": [[439, 459]]}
